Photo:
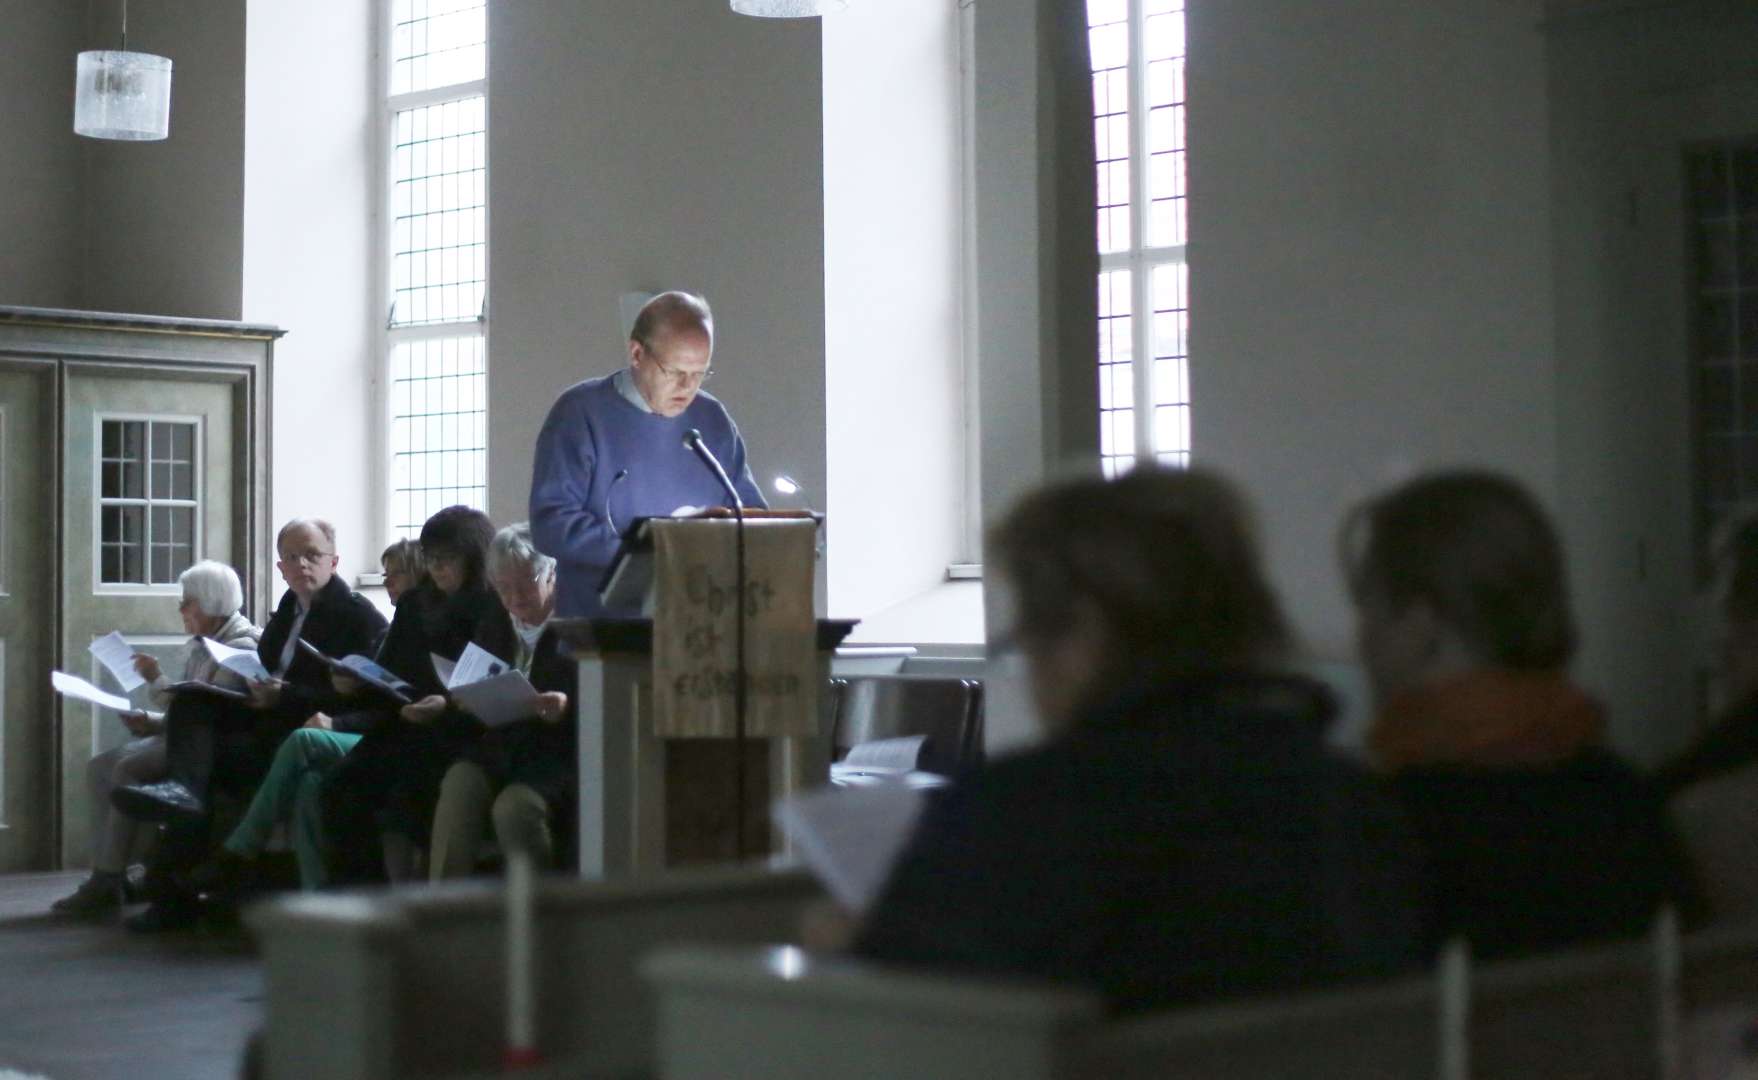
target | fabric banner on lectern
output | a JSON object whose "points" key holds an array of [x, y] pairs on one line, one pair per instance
{"points": [[695, 630]]}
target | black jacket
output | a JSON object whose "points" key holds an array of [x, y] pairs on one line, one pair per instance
{"points": [[1186, 842], [341, 623], [427, 623], [1731, 744], [537, 753], [1530, 859]]}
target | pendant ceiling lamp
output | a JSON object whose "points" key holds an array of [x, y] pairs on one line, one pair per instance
{"points": [[788, 9], [122, 95]]}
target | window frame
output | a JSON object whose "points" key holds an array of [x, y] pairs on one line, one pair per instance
{"points": [[386, 334], [1141, 259], [198, 471]]}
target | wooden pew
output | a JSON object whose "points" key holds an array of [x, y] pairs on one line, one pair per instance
{"points": [[776, 1012], [411, 982]]}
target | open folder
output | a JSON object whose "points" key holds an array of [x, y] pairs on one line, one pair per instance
{"points": [[367, 671], [487, 687]]}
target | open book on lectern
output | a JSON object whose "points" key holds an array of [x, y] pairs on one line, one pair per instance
{"points": [[627, 586]]}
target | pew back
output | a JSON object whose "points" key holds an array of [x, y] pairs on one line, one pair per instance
{"points": [[778, 1014], [412, 982]]}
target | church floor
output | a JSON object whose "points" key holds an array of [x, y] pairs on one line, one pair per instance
{"points": [[82, 1000]]}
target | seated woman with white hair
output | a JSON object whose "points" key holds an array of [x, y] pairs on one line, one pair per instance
{"points": [[212, 597]]}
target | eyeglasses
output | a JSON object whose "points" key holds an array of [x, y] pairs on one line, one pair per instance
{"points": [[312, 557], [679, 378]]}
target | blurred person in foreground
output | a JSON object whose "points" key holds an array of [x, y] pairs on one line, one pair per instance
{"points": [[1538, 835], [1183, 835], [1712, 785]]}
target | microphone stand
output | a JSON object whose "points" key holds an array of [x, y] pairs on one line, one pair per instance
{"points": [[693, 440]]}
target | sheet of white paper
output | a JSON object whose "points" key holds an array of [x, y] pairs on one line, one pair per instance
{"points": [[77, 688], [443, 668], [850, 837], [114, 652], [474, 665], [243, 661], [499, 699], [889, 755]]}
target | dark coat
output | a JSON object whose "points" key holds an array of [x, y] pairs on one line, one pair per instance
{"points": [[1530, 859], [1184, 843], [539, 754], [341, 623], [1730, 745], [427, 623]]}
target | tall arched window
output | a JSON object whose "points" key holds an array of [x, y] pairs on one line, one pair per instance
{"points": [[1144, 285], [436, 261]]}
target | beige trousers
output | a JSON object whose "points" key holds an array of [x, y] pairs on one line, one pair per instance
{"points": [[467, 802]]}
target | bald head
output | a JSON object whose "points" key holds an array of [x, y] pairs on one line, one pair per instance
{"points": [[670, 349], [672, 313]]}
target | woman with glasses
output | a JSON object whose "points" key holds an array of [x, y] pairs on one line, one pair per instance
{"points": [[378, 803]]}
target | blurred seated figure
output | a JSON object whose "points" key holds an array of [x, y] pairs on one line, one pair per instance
{"points": [[521, 775], [1713, 785], [1732, 742], [212, 597], [1182, 835], [1538, 835]]}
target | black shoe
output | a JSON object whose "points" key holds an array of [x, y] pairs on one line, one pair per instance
{"points": [[226, 874], [97, 895], [163, 915], [166, 801]]}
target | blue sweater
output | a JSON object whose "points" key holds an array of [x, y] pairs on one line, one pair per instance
{"points": [[591, 435]]}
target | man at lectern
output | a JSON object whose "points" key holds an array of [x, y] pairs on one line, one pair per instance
{"points": [[615, 448]]}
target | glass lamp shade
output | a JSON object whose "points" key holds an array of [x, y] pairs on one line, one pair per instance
{"points": [[122, 95], [788, 9]]}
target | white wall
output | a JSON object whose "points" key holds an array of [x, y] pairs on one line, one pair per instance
{"points": [[894, 388], [639, 146], [165, 220], [1629, 87], [41, 168], [309, 222], [1370, 261], [1037, 270]]}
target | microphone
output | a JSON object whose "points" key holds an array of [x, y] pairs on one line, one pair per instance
{"points": [[609, 518], [693, 442]]}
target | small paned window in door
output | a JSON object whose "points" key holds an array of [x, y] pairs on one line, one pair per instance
{"points": [[149, 500]]}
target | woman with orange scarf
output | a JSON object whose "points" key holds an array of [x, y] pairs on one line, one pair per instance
{"points": [[1538, 835]]}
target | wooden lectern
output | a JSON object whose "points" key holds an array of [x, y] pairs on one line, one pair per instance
{"points": [[657, 793]]}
